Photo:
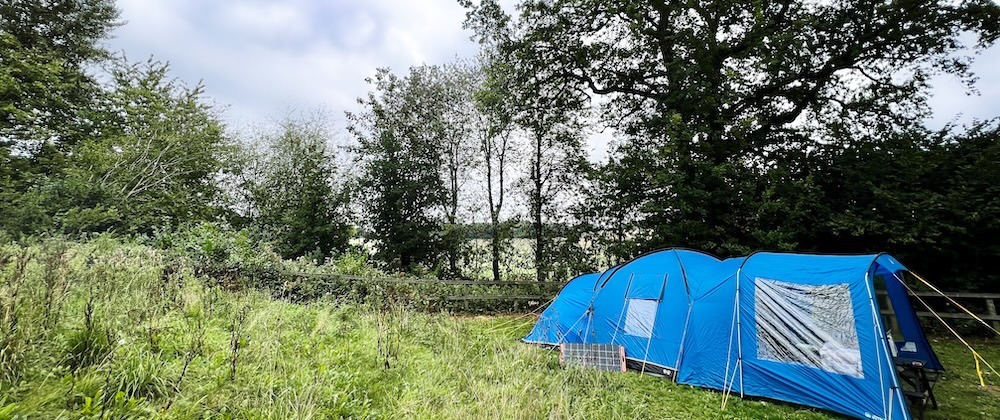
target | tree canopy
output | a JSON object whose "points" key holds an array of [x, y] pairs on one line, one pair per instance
{"points": [[713, 96]]}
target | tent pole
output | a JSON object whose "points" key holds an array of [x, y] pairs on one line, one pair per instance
{"points": [[687, 318], [590, 318], [739, 332], [652, 328], [590, 307], [618, 325], [726, 389], [880, 338], [680, 351], [563, 337]]}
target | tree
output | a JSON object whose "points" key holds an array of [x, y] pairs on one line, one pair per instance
{"points": [[930, 198], [451, 116], [607, 213], [555, 141], [549, 114], [400, 181], [495, 117], [297, 200], [715, 90], [46, 96], [45, 48], [159, 150], [418, 151], [495, 129]]}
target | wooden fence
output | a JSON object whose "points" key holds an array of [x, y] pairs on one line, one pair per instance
{"points": [[556, 285], [552, 287], [962, 297]]}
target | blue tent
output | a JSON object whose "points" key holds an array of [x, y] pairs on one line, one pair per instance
{"points": [[800, 328]]}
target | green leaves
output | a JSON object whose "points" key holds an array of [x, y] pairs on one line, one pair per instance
{"points": [[729, 107], [148, 161], [159, 148], [298, 198], [137, 153], [414, 150], [44, 48]]}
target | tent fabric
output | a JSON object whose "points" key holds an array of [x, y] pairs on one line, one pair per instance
{"points": [[560, 322], [800, 328]]}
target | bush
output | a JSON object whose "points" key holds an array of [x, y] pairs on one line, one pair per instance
{"points": [[211, 243]]}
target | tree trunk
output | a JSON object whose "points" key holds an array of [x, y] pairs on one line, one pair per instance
{"points": [[495, 248], [495, 199], [536, 209], [453, 216]]}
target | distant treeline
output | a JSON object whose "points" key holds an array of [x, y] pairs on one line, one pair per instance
{"points": [[516, 230], [737, 126]]}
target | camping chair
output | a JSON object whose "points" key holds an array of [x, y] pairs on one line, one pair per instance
{"points": [[917, 383]]}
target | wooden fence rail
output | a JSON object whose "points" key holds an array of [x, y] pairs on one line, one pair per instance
{"points": [[990, 315], [410, 280], [990, 298]]}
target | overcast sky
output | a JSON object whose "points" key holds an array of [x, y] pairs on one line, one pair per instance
{"points": [[261, 58]]}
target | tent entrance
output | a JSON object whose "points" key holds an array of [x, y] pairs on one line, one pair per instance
{"points": [[905, 335], [916, 365]]}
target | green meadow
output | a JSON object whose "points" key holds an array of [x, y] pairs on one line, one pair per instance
{"points": [[106, 329]]}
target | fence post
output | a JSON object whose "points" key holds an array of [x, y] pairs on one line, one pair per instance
{"points": [[992, 310]]}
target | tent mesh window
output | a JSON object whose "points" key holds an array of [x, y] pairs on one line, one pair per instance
{"points": [[640, 317], [808, 325], [607, 357]]}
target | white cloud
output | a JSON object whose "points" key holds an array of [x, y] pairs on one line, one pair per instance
{"points": [[266, 21], [952, 103], [262, 57]]}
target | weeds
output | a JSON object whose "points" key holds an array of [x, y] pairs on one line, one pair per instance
{"points": [[153, 312], [13, 342], [387, 332], [237, 339], [55, 281], [93, 342], [196, 343], [139, 375]]}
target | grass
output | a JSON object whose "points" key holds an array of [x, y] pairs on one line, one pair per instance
{"points": [[959, 394], [131, 340]]}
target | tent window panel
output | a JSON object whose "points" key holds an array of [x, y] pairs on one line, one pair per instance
{"points": [[640, 317], [808, 325]]}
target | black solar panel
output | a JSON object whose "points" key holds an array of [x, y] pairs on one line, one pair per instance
{"points": [[607, 357]]}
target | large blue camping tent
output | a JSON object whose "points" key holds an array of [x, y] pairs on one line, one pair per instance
{"points": [[800, 328]]}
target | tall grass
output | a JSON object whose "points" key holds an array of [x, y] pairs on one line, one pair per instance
{"points": [[110, 329]]}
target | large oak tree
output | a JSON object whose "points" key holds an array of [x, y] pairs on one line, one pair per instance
{"points": [[711, 95]]}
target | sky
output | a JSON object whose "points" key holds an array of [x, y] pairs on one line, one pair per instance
{"points": [[261, 59]]}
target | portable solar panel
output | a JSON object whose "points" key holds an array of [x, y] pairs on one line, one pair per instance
{"points": [[607, 357]]}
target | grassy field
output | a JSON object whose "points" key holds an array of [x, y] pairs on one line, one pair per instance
{"points": [[111, 330]]}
